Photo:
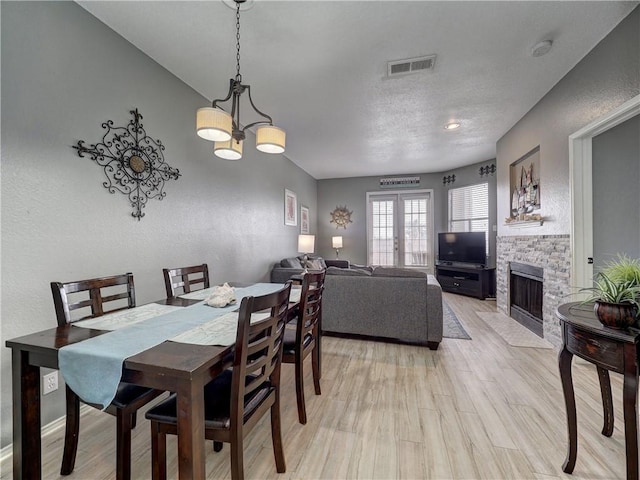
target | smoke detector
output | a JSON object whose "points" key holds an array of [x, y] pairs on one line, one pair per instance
{"points": [[410, 65], [541, 48]]}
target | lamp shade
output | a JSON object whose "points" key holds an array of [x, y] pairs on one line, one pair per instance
{"points": [[229, 150], [213, 124], [270, 139], [306, 243], [336, 242]]}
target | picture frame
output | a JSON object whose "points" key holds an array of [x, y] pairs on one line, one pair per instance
{"points": [[290, 208], [304, 219]]}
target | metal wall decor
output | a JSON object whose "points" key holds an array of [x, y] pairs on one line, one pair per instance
{"points": [[341, 216], [133, 162], [446, 180], [488, 170]]}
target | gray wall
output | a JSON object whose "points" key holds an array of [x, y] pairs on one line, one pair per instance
{"points": [[352, 193], [604, 79], [616, 216], [63, 74]]}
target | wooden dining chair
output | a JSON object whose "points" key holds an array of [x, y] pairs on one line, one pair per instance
{"points": [[118, 291], [238, 398], [303, 339], [185, 278]]}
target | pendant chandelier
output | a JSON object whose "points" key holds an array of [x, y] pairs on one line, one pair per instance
{"points": [[216, 125]]}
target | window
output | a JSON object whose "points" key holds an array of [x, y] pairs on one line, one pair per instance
{"points": [[469, 209], [400, 227]]}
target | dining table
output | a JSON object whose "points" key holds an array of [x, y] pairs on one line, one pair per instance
{"points": [[183, 368]]}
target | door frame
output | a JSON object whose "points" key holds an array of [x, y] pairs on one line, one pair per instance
{"points": [[581, 184], [399, 193]]}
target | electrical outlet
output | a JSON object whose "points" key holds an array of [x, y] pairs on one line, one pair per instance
{"points": [[50, 382]]}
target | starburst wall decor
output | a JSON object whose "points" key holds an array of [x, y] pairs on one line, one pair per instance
{"points": [[133, 162]]}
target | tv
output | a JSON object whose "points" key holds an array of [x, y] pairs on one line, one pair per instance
{"points": [[462, 247]]}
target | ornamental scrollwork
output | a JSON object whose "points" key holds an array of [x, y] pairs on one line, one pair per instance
{"points": [[132, 161]]}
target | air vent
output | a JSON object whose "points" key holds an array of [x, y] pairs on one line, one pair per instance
{"points": [[411, 65]]}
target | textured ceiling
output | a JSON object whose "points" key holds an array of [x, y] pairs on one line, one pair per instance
{"points": [[319, 69]]}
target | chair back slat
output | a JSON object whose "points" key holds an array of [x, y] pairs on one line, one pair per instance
{"points": [[310, 305], [258, 349], [64, 304], [184, 278]]}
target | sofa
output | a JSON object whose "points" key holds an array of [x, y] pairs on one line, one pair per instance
{"points": [[395, 304], [288, 267]]}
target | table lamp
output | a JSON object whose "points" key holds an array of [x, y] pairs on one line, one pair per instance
{"points": [[336, 242], [306, 245]]}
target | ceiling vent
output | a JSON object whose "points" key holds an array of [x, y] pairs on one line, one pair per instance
{"points": [[411, 65]]}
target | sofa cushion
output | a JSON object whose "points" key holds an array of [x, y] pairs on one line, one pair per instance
{"points": [[292, 262], [353, 272], [398, 272]]}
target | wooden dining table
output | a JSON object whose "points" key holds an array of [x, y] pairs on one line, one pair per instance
{"points": [[172, 366]]}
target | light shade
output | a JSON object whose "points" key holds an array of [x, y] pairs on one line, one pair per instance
{"points": [[306, 243], [229, 150], [336, 242], [213, 124], [270, 139]]}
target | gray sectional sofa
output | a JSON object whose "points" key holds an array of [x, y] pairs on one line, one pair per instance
{"points": [[383, 303]]}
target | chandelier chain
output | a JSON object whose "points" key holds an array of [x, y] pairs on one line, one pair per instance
{"points": [[238, 76]]}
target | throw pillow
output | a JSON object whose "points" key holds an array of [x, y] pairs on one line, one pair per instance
{"points": [[292, 262]]}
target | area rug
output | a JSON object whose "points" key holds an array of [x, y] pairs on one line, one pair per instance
{"points": [[451, 327], [512, 332]]}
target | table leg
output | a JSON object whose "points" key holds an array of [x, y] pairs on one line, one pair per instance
{"points": [[630, 405], [564, 364], [25, 378], [191, 458], [607, 402]]}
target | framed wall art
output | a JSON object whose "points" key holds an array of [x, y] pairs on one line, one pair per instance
{"points": [[304, 219], [290, 208]]}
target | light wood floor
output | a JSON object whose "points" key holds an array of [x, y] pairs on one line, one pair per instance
{"points": [[473, 409]]}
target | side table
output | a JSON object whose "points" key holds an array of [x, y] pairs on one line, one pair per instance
{"points": [[610, 350]]}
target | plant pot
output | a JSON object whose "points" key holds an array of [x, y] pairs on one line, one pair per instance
{"points": [[616, 315]]}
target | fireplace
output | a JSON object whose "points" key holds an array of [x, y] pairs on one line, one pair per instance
{"points": [[525, 294]]}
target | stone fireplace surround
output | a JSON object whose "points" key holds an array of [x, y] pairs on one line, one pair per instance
{"points": [[552, 253]]}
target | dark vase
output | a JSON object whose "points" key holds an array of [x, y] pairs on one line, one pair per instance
{"points": [[616, 315]]}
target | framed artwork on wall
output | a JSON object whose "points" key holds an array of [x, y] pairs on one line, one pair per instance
{"points": [[290, 208], [304, 219]]}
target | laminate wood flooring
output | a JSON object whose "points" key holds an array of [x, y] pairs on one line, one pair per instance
{"points": [[474, 409]]}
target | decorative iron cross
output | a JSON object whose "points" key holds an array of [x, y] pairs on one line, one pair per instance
{"points": [[133, 162]]}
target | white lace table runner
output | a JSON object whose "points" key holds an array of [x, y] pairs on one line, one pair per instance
{"points": [[296, 290], [219, 331], [124, 318]]}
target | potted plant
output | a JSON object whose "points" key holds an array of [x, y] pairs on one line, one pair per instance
{"points": [[616, 293]]}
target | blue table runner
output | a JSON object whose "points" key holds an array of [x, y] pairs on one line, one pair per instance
{"points": [[93, 368]]}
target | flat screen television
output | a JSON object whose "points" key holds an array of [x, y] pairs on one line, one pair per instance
{"points": [[462, 247]]}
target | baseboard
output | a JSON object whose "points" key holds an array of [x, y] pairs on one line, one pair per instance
{"points": [[50, 427]]}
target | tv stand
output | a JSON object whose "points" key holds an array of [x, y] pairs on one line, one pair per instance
{"points": [[467, 279]]}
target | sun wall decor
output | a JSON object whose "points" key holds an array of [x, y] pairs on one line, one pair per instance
{"points": [[341, 216], [133, 162]]}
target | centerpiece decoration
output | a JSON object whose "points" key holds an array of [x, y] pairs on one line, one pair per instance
{"points": [[616, 293]]}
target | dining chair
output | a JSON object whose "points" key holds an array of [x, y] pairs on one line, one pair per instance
{"points": [[303, 339], [120, 290], [237, 399], [185, 278]]}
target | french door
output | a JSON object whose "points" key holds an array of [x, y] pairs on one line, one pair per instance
{"points": [[400, 228]]}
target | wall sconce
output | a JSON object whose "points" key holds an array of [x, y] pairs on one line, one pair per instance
{"points": [[448, 179], [306, 244], [488, 170], [336, 242]]}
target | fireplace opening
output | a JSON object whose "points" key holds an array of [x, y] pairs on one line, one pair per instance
{"points": [[525, 292]]}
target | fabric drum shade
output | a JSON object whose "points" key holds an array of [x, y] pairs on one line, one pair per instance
{"points": [[270, 139], [213, 124], [229, 150]]}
